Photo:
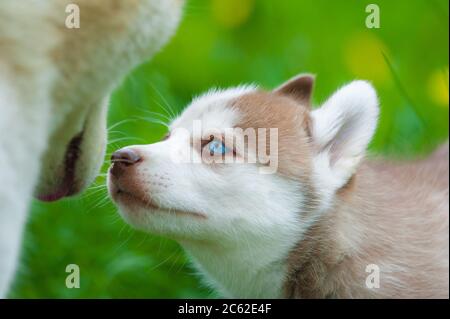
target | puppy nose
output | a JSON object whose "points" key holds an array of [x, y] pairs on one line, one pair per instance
{"points": [[122, 159], [126, 156]]}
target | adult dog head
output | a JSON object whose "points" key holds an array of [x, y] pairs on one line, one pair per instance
{"points": [[87, 62]]}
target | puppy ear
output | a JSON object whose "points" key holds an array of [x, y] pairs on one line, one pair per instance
{"points": [[299, 88], [341, 130]]}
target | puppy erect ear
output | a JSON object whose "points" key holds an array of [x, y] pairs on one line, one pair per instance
{"points": [[341, 130], [299, 88]]}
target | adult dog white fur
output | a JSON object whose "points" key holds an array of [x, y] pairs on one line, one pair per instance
{"points": [[54, 86], [314, 227]]}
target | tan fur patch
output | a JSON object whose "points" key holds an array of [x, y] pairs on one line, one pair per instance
{"points": [[272, 110], [392, 215], [269, 110]]}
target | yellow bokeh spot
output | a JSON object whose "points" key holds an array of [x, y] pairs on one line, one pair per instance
{"points": [[438, 87], [363, 56], [232, 13]]}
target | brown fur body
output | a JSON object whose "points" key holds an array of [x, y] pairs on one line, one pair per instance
{"points": [[392, 215]]}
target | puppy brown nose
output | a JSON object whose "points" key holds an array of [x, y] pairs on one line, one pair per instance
{"points": [[122, 159]]}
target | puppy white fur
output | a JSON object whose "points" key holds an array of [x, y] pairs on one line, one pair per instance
{"points": [[307, 231], [54, 84]]}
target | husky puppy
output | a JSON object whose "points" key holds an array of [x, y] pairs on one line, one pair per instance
{"points": [[54, 82], [322, 223]]}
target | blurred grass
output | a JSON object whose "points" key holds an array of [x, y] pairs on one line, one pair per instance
{"points": [[228, 42]]}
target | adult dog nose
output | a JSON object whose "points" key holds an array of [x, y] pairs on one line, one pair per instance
{"points": [[122, 159]]}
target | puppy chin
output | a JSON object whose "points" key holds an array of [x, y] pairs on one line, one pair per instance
{"points": [[144, 219], [134, 216]]}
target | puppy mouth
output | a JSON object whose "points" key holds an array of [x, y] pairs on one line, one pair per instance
{"points": [[129, 199], [68, 185]]}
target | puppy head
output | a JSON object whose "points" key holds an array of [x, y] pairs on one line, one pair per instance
{"points": [[221, 174]]}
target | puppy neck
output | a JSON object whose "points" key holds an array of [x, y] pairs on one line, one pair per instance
{"points": [[253, 268]]}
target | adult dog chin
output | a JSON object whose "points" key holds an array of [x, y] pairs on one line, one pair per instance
{"points": [[67, 185], [62, 192], [72, 163], [74, 155]]}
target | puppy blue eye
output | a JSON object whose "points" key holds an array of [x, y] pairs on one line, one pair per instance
{"points": [[217, 147]]}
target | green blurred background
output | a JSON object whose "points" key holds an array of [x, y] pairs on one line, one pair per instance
{"points": [[223, 43]]}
